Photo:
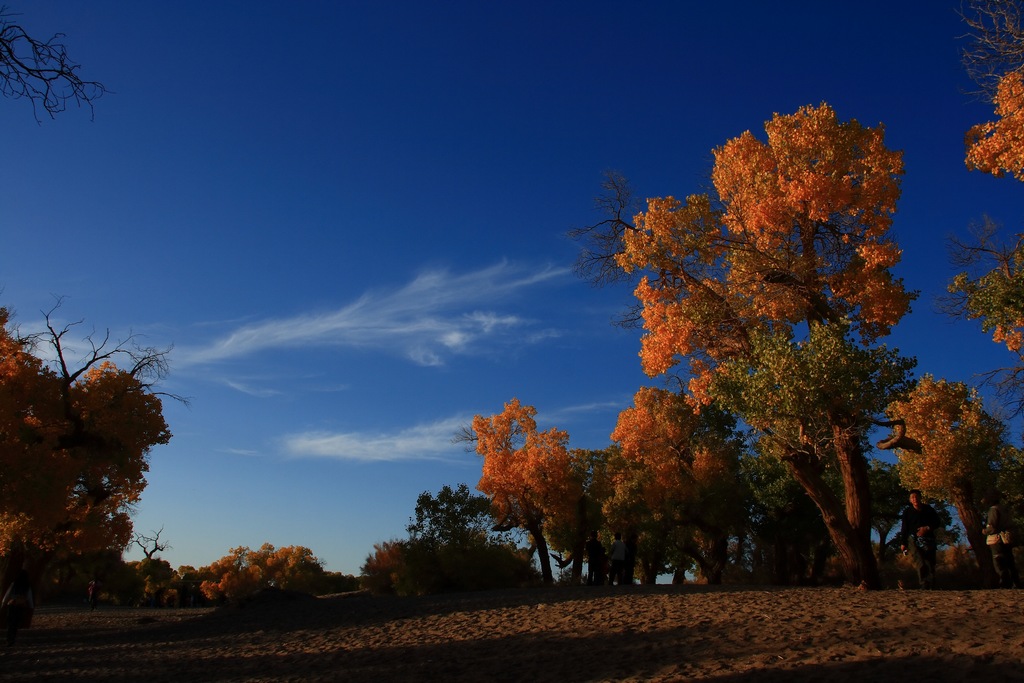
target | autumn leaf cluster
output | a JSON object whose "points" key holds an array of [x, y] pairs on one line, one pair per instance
{"points": [[73, 449], [797, 234]]}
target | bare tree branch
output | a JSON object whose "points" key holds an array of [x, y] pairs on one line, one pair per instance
{"points": [[997, 42], [147, 364], [602, 242], [898, 438], [41, 71], [151, 545]]}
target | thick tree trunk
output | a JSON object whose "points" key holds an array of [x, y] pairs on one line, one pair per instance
{"points": [[853, 467], [718, 560], [853, 545], [973, 523], [820, 556], [712, 561], [780, 564], [580, 542], [541, 543], [649, 566]]}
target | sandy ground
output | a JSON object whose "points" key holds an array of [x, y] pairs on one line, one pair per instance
{"points": [[656, 633]]}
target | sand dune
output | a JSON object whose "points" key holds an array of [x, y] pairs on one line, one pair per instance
{"points": [[656, 633]]}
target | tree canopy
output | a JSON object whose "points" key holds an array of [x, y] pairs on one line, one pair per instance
{"points": [[774, 292], [74, 443]]}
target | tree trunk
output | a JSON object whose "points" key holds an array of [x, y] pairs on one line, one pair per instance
{"points": [[579, 549], [780, 566], [973, 523], [821, 554], [650, 565], [853, 545], [580, 542], [883, 542], [853, 467], [712, 562], [541, 543]]}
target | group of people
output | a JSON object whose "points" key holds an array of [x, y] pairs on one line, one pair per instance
{"points": [[918, 540], [616, 566]]}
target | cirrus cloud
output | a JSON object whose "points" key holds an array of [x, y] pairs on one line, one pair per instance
{"points": [[430, 441], [434, 315]]}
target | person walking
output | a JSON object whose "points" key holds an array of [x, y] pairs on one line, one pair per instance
{"points": [[999, 531], [19, 604], [93, 592], [917, 538]]}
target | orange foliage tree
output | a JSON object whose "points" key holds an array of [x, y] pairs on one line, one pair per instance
{"points": [[960, 447], [992, 290], [382, 570], [776, 292], [683, 474], [244, 571], [569, 533], [997, 147], [74, 445], [528, 474]]}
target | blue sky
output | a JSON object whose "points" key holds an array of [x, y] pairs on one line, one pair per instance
{"points": [[349, 219]]}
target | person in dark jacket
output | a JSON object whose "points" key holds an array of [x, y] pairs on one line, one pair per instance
{"points": [[917, 538], [19, 605], [596, 559]]}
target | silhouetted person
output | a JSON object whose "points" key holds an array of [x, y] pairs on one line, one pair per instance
{"points": [[917, 537], [618, 556], [595, 561], [999, 528], [94, 593], [19, 604]]}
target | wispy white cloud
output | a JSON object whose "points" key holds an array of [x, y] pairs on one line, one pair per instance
{"points": [[240, 451], [251, 390], [436, 314], [590, 408], [431, 441]]}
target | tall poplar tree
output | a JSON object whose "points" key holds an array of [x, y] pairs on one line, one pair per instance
{"points": [[774, 294]]}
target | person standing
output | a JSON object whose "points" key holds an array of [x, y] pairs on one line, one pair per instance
{"points": [[19, 604], [917, 537], [595, 560], [999, 529], [618, 556], [93, 592]]}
